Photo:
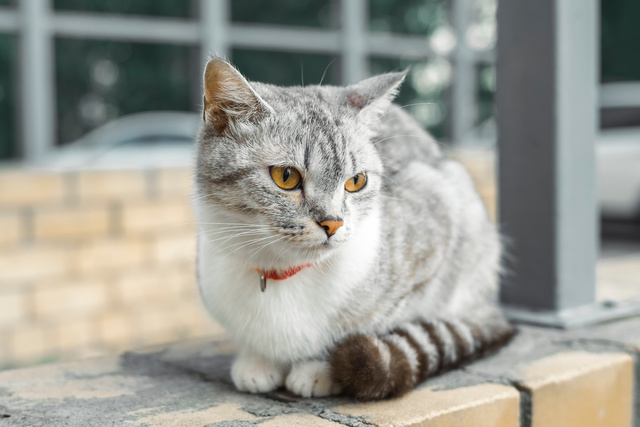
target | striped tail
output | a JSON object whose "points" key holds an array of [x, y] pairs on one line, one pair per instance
{"points": [[376, 367]]}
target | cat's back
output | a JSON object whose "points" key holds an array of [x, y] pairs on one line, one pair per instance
{"points": [[401, 140]]}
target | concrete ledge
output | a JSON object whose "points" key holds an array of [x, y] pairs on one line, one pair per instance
{"points": [[543, 378]]}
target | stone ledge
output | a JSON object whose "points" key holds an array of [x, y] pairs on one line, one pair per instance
{"points": [[543, 378]]}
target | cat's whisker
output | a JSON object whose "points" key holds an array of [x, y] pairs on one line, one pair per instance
{"points": [[325, 71], [255, 251]]}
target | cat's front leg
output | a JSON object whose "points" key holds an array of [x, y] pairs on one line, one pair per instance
{"points": [[256, 374], [312, 378]]}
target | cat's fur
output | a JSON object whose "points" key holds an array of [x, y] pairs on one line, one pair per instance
{"points": [[405, 289]]}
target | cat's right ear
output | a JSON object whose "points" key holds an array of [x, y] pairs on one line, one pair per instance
{"points": [[228, 97]]}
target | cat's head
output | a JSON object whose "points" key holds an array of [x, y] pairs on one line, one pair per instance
{"points": [[288, 174]]}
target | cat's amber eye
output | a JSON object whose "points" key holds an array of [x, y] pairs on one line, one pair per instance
{"points": [[356, 183], [286, 177]]}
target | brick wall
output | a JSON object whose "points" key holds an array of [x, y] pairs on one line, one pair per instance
{"points": [[95, 262]]}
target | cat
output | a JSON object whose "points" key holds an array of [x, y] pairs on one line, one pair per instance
{"points": [[336, 244]]}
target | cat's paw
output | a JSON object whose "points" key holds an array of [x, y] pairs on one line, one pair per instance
{"points": [[256, 374], [311, 379]]}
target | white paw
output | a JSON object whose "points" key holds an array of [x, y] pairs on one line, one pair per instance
{"points": [[256, 374], [311, 379]]}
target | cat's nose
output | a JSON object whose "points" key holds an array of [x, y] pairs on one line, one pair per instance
{"points": [[331, 226]]}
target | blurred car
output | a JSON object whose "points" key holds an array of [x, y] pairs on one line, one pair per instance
{"points": [[165, 139], [618, 158], [149, 139]]}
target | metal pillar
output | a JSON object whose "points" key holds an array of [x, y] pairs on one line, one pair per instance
{"points": [[37, 94], [546, 113], [214, 28], [354, 17], [463, 97]]}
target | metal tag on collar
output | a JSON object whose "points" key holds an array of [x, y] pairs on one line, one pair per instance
{"points": [[263, 281]]}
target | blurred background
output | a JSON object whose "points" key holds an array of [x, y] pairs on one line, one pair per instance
{"points": [[100, 100]]}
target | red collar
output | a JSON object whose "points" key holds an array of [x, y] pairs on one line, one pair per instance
{"points": [[281, 275]]}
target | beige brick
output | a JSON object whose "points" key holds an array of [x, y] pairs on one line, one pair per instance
{"points": [[299, 420], [117, 329], [157, 324], [580, 389], [112, 185], [34, 262], [30, 343], [175, 248], [111, 254], [76, 335], [66, 300], [156, 217], [175, 182], [13, 308], [135, 287], [483, 405], [71, 222], [22, 187], [183, 281], [10, 228]]}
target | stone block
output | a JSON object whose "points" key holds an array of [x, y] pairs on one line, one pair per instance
{"points": [[111, 254], [176, 247], [35, 262], [76, 335], [69, 299], [140, 286], [13, 308], [117, 329], [19, 187], [156, 217], [30, 343], [483, 405], [11, 228], [580, 389], [112, 185], [73, 222], [175, 182]]}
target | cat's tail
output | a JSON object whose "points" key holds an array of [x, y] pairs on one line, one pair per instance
{"points": [[371, 367]]}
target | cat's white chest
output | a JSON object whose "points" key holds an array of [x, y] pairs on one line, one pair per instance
{"points": [[293, 319]]}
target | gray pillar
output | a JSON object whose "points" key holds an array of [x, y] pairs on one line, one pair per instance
{"points": [[463, 97], [354, 16], [546, 113], [214, 27], [37, 94]]}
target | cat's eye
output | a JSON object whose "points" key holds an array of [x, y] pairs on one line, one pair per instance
{"points": [[356, 183], [286, 177]]}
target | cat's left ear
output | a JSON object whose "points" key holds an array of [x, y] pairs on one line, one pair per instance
{"points": [[371, 97], [228, 96]]}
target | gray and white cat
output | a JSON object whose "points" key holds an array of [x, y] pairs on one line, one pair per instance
{"points": [[336, 244]]}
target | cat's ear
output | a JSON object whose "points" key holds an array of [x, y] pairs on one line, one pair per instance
{"points": [[228, 96], [371, 97]]}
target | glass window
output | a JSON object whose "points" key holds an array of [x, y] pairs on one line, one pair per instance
{"points": [[424, 92], [486, 84], [284, 68], [307, 13], [7, 2], [420, 17], [7, 97], [173, 8], [620, 38], [99, 80]]}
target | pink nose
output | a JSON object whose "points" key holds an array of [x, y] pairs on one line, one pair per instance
{"points": [[331, 226]]}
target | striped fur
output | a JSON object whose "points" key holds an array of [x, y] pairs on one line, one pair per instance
{"points": [[372, 367], [416, 240]]}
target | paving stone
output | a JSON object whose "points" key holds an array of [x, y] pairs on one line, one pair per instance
{"points": [[542, 378], [580, 389]]}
